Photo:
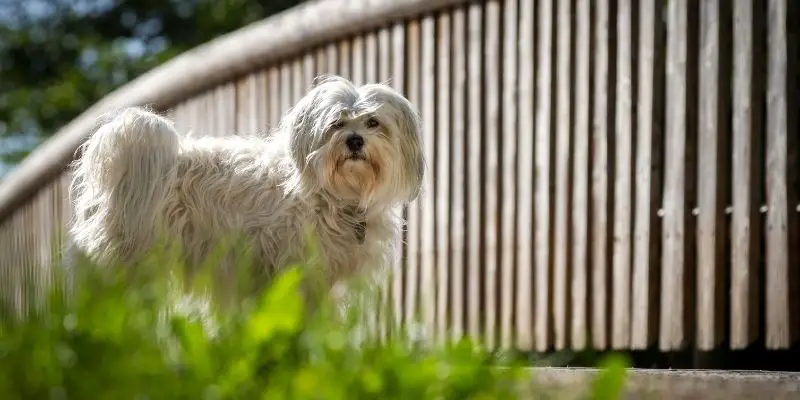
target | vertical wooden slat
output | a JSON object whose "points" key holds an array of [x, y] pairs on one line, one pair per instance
{"points": [[182, 117], [561, 253], [320, 63], [372, 63], [345, 60], [27, 245], [412, 86], [428, 199], [66, 216], [42, 240], [22, 258], [186, 117], [273, 87], [474, 151], [309, 72], [711, 177], [259, 123], [196, 107], [644, 312], [398, 59], [25, 230], [782, 274], [745, 223], [177, 111], [59, 226], [542, 240], [45, 220], [491, 171], [580, 177], [230, 107], [189, 117], [600, 203], [217, 108], [458, 173], [244, 112], [201, 120], [6, 263], [384, 48], [677, 274], [358, 64], [524, 288], [508, 155], [442, 181], [211, 112], [623, 185], [194, 112], [792, 15], [332, 59], [226, 104], [18, 263], [297, 81], [286, 87], [15, 263], [226, 109], [200, 116], [379, 60], [207, 114], [38, 238]]}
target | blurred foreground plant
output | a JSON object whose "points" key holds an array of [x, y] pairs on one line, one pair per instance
{"points": [[157, 334]]}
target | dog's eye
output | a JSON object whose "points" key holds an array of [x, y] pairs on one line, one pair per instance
{"points": [[372, 123], [338, 125]]}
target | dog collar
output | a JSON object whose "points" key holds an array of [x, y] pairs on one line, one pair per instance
{"points": [[360, 222], [361, 230]]}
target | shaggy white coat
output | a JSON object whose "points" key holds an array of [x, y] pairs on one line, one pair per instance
{"points": [[138, 180]]}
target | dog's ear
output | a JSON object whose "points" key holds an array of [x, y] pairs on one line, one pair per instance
{"points": [[410, 126], [298, 124]]}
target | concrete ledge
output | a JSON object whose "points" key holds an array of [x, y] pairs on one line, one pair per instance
{"points": [[574, 383]]}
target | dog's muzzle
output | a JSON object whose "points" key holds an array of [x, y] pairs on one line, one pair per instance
{"points": [[354, 142]]}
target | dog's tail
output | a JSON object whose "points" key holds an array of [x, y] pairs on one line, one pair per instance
{"points": [[120, 182]]}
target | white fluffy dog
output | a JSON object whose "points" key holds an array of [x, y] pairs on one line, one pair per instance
{"points": [[343, 161]]}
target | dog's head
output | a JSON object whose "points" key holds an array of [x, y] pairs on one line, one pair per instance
{"points": [[358, 144]]}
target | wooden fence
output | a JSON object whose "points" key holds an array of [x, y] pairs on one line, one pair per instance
{"points": [[603, 174]]}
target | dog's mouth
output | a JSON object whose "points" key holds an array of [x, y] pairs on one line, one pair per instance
{"points": [[355, 157]]}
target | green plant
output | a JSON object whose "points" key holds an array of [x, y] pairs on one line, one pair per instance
{"points": [[156, 334]]}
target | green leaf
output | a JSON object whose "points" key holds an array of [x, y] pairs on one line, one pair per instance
{"points": [[610, 381]]}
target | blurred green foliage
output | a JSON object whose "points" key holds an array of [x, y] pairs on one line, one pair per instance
{"points": [[126, 335], [152, 332], [58, 57]]}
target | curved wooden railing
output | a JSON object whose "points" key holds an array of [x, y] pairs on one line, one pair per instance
{"points": [[603, 174]]}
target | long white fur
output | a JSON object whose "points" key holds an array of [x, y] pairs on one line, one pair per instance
{"points": [[138, 180]]}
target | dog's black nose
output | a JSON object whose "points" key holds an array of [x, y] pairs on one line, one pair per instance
{"points": [[354, 142]]}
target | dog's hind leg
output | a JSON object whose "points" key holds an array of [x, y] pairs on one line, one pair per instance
{"points": [[121, 181]]}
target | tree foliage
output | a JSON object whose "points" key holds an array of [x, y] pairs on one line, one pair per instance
{"points": [[58, 57]]}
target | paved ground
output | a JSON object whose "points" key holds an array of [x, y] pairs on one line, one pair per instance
{"points": [[564, 383]]}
